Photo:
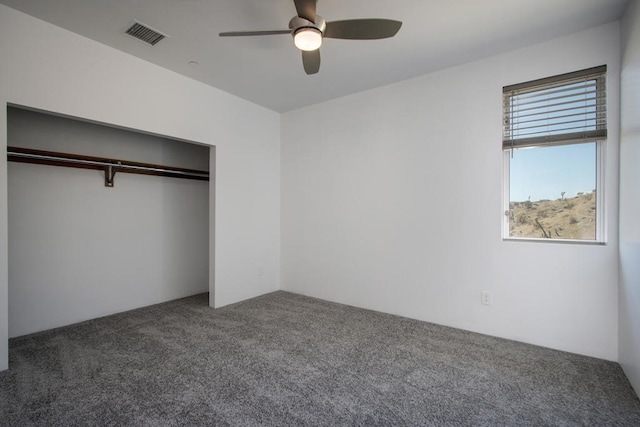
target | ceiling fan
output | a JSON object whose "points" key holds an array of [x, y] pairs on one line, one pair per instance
{"points": [[308, 30]]}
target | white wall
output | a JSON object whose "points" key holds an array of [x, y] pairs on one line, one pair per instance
{"points": [[50, 69], [391, 200], [78, 249], [630, 196]]}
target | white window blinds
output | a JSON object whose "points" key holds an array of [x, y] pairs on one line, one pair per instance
{"points": [[565, 109]]}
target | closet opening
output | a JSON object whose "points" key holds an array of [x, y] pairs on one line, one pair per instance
{"points": [[101, 219]]}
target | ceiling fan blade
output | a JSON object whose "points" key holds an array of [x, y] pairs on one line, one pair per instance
{"points": [[311, 61], [253, 33], [306, 9], [362, 29]]}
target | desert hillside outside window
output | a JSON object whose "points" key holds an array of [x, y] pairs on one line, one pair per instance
{"points": [[554, 131]]}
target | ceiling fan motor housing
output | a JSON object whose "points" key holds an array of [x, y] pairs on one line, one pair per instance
{"points": [[297, 23], [307, 35]]}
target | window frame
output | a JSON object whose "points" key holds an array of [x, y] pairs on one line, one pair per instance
{"points": [[599, 138]]}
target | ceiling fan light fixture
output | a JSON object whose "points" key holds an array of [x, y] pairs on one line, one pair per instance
{"points": [[307, 39]]}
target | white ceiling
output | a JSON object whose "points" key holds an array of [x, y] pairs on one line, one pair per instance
{"points": [[268, 70]]}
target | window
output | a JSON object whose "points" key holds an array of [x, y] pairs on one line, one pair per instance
{"points": [[554, 131]]}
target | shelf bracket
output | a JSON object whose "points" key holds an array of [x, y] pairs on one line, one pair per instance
{"points": [[109, 174]]}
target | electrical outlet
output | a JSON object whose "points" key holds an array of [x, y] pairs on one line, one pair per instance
{"points": [[485, 297]]}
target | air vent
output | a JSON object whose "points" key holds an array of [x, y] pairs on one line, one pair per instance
{"points": [[144, 33]]}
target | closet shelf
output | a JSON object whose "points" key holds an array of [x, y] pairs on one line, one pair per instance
{"points": [[109, 166]]}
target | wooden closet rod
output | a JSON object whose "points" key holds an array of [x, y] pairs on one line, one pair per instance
{"points": [[109, 166]]}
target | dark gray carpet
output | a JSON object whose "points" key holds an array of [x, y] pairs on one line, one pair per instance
{"points": [[283, 359]]}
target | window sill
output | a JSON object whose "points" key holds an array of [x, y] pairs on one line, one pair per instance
{"points": [[566, 241]]}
